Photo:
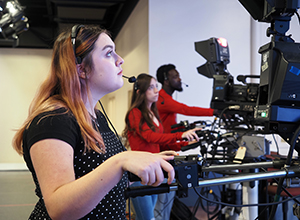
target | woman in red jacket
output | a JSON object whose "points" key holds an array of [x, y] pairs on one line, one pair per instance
{"points": [[144, 132]]}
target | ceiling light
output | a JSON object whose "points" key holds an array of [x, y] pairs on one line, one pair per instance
{"points": [[15, 29], [13, 22], [2, 5]]}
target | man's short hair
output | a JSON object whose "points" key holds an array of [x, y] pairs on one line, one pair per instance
{"points": [[162, 72]]}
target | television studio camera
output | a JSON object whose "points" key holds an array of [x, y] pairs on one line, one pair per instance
{"points": [[275, 101], [271, 106]]}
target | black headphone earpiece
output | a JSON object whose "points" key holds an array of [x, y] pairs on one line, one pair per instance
{"points": [[165, 76], [75, 30], [136, 85]]}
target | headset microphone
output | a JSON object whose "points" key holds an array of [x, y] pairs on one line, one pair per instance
{"points": [[130, 79], [185, 84]]}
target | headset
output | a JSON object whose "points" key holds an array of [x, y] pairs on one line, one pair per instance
{"points": [[165, 76], [78, 60], [75, 30], [136, 85]]}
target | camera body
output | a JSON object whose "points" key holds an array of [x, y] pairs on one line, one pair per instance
{"points": [[226, 93]]}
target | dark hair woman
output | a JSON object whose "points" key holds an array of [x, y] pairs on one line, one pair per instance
{"points": [[144, 132]]}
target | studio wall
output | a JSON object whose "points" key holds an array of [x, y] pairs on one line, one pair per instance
{"points": [[22, 71], [156, 33], [174, 26]]}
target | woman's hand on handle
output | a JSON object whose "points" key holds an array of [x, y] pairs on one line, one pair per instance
{"points": [[149, 167], [191, 135]]}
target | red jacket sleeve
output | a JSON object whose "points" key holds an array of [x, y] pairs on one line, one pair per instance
{"points": [[147, 134], [168, 109], [166, 104]]}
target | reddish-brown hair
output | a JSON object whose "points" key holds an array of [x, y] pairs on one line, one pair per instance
{"points": [[63, 88]]}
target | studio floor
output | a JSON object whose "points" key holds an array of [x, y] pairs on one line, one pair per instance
{"points": [[17, 196]]}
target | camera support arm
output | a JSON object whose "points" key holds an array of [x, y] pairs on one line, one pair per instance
{"points": [[286, 172], [289, 172]]}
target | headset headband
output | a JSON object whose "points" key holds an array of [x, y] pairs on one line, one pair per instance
{"points": [[75, 30]]}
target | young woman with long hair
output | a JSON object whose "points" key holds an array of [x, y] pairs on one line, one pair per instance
{"points": [[144, 132], [77, 163]]}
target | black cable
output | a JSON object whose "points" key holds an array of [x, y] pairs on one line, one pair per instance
{"points": [[246, 205], [166, 205], [234, 144], [109, 120], [116, 133], [288, 163], [214, 195], [263, 204], [283, 188], [124, 148], [221, 115], [276, 143], [195, 208], [298, 17], [261, 213], [292, 147], [181, 211], [276, 198]]}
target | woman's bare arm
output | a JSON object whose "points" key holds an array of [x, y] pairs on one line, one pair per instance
{"points": [[67, 198]]}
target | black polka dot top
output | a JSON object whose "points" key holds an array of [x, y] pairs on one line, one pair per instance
{"points": [[64, 127]]}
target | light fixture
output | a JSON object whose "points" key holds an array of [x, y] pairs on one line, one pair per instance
{"points": [[14, 29], [2, 5], [12, 22]]}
